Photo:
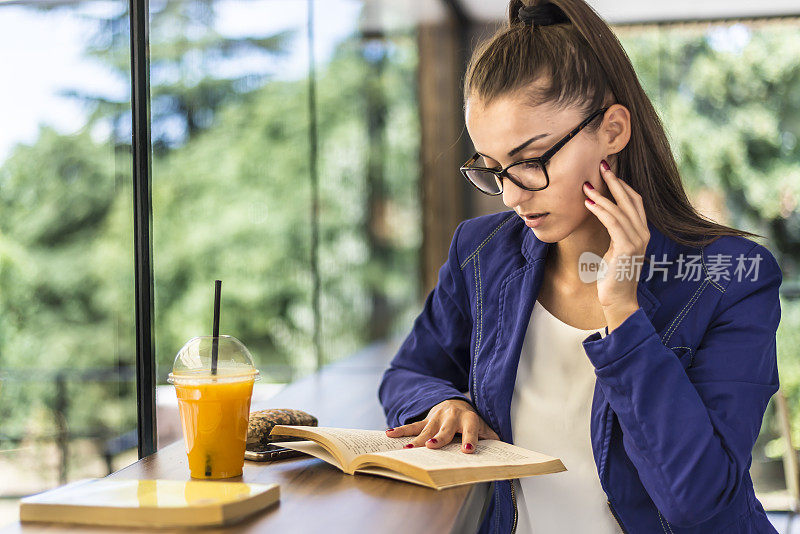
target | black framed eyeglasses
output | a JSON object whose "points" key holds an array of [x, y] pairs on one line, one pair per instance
{"points": [[530, 173]]}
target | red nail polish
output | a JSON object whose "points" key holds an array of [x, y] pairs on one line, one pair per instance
{"points": [[468, 446], [588, 185], [433, 440], [389, 429], [604, 164], [590, 201], [409, 446]]}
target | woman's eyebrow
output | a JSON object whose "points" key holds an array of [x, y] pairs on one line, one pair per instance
{"points": [[526, 143], [520, 147]]}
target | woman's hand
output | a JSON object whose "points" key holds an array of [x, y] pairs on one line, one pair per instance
{"points": [[442, 423], [626, 223]]}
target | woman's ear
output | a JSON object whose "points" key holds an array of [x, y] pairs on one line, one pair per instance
{"points": [[616, 131]]}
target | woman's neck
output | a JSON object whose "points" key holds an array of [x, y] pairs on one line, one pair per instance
{"points": [[564, 256]]}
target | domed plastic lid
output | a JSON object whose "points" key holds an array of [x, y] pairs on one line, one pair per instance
{"points": [[193, 362]]}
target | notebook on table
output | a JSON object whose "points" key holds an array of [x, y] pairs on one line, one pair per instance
{"points": [[149, 503]]}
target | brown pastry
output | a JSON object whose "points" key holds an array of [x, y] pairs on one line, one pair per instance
{"points": [[262, 422]]}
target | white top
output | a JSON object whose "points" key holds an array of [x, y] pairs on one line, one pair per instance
{"points": [[550, 411]]}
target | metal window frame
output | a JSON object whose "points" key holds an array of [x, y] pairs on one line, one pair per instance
{"points": [[142, 223]]}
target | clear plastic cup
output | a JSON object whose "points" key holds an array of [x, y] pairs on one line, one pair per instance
{"points": [[214, 407]]}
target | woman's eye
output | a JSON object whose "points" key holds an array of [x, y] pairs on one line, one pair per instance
{"points": [[531, 165]]}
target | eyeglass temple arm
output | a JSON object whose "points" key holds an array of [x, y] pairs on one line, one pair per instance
{"points": [[547, 155]]}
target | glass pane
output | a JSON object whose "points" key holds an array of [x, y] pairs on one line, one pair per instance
{"points": [[232, 190], [231, 193], [67, 391], [369, 175]]}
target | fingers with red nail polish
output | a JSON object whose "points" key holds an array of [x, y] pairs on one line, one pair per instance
{"points": [[588, 190], [443, 422]]}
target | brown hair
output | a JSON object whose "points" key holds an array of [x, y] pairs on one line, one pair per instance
{"points": [[583, 64]]}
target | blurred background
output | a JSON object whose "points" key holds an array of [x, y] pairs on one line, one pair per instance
{"points": [[307, 154]]}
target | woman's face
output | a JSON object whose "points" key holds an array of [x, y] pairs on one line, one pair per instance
{"points": [[506, 123]]}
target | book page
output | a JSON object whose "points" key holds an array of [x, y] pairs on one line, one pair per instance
{"points": [[313, 448], [388, 473], [351, 442], [488, 453]]}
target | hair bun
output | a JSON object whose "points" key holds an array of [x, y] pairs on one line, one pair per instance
{"points": [[541, 15]]}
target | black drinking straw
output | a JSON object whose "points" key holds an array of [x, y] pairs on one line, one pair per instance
{"points": [[215, 339]]}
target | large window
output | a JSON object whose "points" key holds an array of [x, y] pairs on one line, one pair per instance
{"points": [[67, 380], [303, 207], [306, 208]]}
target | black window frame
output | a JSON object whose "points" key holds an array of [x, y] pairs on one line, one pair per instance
{"points": [[141, 149]]}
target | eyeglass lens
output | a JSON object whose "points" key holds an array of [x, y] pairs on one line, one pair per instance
{"points": [[530, 174]]}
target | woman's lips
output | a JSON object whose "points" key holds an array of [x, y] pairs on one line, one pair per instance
{"points": [[533, 222]]}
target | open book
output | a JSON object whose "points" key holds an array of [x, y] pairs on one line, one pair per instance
{"points": [[373, 452]]}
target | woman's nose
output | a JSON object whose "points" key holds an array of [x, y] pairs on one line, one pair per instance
{"points": [[514, 195]]}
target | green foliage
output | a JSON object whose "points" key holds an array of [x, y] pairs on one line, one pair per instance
{"points": [[232, 202], [65, 279], [734, 120], [789, 363], [235, 203]]}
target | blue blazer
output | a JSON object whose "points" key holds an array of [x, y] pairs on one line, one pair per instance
{"points": [[682, 384]]}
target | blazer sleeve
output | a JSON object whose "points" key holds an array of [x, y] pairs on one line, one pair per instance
{"points": [[690, 432], [432, 364]]}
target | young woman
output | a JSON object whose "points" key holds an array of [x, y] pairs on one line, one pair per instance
{"points": [[648, 378]]}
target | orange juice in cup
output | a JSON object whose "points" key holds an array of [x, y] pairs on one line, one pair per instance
{"points": [[214, 404]]}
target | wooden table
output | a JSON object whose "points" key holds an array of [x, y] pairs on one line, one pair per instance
{"points": [[317, 497]]}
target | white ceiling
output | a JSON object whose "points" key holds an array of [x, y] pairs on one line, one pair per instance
{"points": [[389, 14], [627, 11]]}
